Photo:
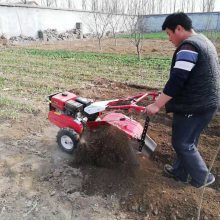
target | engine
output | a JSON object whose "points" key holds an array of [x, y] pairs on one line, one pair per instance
{"points": [[68, 103]]}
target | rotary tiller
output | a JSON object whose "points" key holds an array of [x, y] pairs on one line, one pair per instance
{"points": [[73, 114]]}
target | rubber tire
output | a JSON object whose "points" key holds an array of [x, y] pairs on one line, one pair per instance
{"points": [[70, 133]]}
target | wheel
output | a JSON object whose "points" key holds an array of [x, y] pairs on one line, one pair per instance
{"points": [[67, 139]]}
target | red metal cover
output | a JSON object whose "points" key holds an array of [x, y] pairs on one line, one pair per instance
{"points": [[131, 127], [64, 121], [58, 101]]}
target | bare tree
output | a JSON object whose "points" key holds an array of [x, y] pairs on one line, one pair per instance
{"points": [[115, 7], [114, 23], [208, 5], [55, 3], [84, 4], [94, 4], [101, 24], [192, 6], [183, 5], [160, 6], [133, 22], [98, 25], [211, 5], [47, 3], [114, 19], [187, 6], [104, 18], [69, 4], [174, 5], [203, 5]]}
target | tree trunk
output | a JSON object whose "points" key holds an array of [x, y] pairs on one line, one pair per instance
{"points": [[99, 41]]}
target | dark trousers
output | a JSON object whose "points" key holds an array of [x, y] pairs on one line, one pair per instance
{"points": [[186, 130]]}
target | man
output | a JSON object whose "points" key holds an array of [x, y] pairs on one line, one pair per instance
{"points": [[192, 93]]}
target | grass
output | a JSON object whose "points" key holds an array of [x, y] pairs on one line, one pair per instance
{"points": [[2, 81], [36, 73], [92, 57], [10, 109], [77, 66], [163, 36], [153, 35], [212, 35]]}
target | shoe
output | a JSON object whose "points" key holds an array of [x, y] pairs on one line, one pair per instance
{"points": [[210, 180], [168, 170]]}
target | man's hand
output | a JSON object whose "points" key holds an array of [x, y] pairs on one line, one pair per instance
{"points": [[152, 109]]}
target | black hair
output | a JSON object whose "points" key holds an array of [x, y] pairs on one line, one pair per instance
{"points": [[175, 19]]}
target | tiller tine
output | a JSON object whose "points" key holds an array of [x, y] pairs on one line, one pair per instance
{"points": [[147, 145]]}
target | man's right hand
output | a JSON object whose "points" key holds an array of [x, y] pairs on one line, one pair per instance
{"points": [[152, 109], [155, 107]]}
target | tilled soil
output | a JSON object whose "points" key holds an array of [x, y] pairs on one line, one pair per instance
{"points": [[106, 147]]}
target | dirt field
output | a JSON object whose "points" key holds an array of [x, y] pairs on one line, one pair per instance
{"points": [[39, 181]]}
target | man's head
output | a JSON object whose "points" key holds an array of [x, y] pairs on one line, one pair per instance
{"points": [[178, 27]]}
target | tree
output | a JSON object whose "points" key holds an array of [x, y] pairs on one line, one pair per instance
{"points": [[174, 5], [208, 5], [101, 23], [70, 4], [84, 5], [133, 22], [94, 4], [47, 3], [114, 8], [114, 23]]}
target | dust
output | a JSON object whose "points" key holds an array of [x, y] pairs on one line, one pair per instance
{"points": [[106, 147]]}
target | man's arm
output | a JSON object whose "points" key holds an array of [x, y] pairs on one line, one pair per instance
{"points": [[152, 109], [185, 61]]}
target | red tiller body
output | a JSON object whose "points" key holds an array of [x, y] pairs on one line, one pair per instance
{"points": [[64, 121], [59, 100], [131, 127]]}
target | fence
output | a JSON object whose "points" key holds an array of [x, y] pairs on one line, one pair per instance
{"points": [[201, 21]]}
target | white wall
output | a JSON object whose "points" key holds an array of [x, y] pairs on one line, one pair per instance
{"points": [[15, 21], [18, 20]]}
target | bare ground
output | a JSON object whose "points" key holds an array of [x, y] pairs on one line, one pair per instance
{"points": [[39, 181]]}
